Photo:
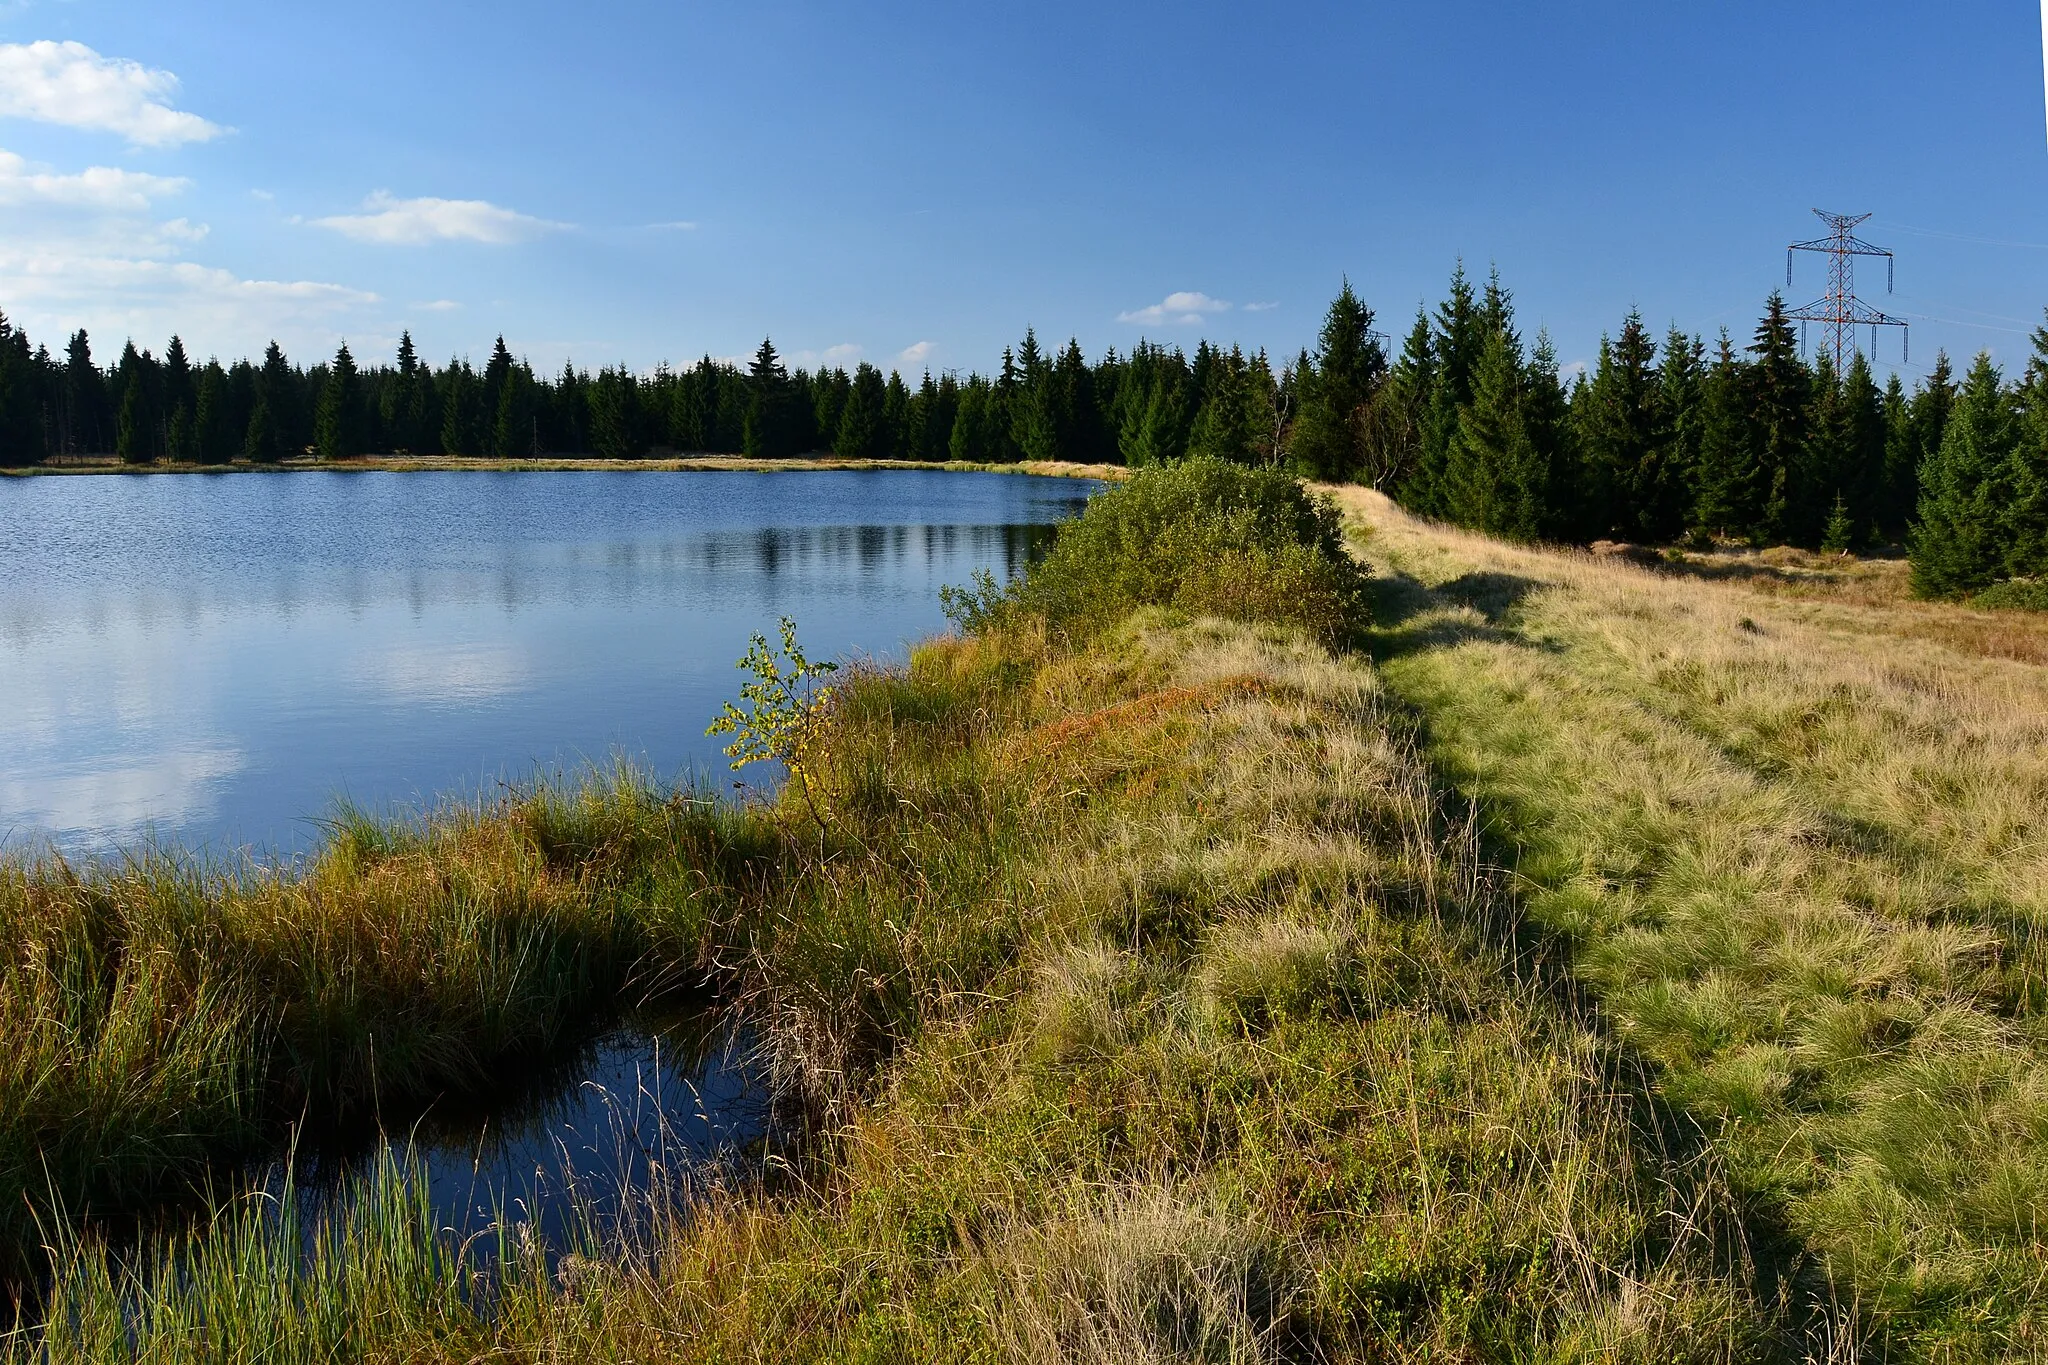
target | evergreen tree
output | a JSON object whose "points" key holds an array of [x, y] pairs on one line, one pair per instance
{"points": [[461, 410], [770, 429], [2025, 515], [1493, 478], [1226, 426], [212, 437], [1898, 482], [1391, 441], [863, 422], [1546, 425], [1681, 403], [1861, 445], [277, 389], [1457, 338], [1840, 534], [134, 434], [1335, 391], [1623, 438], [615, 429], [1927, 419], [1778, 394], [515, 432], [85, 399], [21, 417], [1957, 548], [1727, 490], [975, 424], [338, 421], [895, 417], [259, 441]]}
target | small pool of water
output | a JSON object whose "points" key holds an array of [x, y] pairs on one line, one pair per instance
{"points": [[583, 1150]]}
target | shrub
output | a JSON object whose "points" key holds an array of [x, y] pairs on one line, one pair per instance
{"points": [[2015, 594], [1202, 537]]}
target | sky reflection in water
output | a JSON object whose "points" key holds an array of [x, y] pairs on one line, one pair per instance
{"points": [[216, 660]]}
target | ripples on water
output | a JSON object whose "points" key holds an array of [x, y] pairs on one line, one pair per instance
{"points": [[214, 660]]}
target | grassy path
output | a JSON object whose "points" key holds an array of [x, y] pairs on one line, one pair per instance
{"points": [[1799, 850]]}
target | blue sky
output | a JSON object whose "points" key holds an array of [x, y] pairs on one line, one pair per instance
{"points": [[914, 183]]}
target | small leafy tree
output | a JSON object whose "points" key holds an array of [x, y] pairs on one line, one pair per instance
{"points": [[783, 708]]}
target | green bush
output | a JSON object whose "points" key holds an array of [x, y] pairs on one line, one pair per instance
{"points": [[1203, 537], [2015, 594]]}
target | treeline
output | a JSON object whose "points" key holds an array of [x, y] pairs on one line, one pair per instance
{"points": [[1660, 440], [1152, 406]]}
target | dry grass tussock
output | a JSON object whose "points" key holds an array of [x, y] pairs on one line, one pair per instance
{"points": [[1212, 1050], [1798, 848]]}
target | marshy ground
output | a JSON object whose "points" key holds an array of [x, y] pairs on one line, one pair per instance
{"points": [[1576, 962]]}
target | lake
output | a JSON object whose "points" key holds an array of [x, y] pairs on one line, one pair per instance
{"points": [[213, 661]]}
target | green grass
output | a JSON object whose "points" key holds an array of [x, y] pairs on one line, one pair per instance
{"points": [[1795, 850]]}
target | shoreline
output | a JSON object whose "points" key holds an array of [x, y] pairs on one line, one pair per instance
{"points": [[413, 464]]}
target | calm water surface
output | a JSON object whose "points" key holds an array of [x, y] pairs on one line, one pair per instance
{"points": [[214, 660]]}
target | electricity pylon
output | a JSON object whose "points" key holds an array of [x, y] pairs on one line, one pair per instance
{"points": [[1840, 312]]}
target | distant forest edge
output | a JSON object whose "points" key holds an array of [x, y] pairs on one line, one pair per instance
{"points": [[1656, 443]]}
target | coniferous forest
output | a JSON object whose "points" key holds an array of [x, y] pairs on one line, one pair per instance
{"points": [[1746, 439]]}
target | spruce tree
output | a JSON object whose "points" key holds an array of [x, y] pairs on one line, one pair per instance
{"points": [[338, 422], [85, 399], [1928, 416], [895, 417], [1778, 390], [1681, 400], [973, 440], [1457, 337], [1727, 497], [1224, 426], [2024, 528], [1335, 389], [260, 441], [213, 438], [134, 422], [1957, 547], [1862, 445], [22, 439], [1622, 435], [1546, 425], [1492, 479], [770, 432], [1898, 484], [1391, 442], [277, 386], [863, 426]]}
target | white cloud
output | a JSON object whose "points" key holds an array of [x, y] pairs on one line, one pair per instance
{"points": [[1183, 308], [1260, 307], [85, 250], [97, 187], [391, 221], [680, 225], [916, 357], [438, 306], [72, 85]]}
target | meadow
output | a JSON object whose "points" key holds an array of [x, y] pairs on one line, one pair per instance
{"points": [[1212, 952]]}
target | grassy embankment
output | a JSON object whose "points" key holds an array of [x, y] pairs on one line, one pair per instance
{"points": [[1145, 999], [1792, 831]]}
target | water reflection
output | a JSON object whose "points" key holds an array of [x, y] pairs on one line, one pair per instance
{"points": [[216, 660], [580, 1150]]}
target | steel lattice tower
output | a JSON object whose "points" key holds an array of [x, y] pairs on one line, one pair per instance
{"points": [[1840, 313]]}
